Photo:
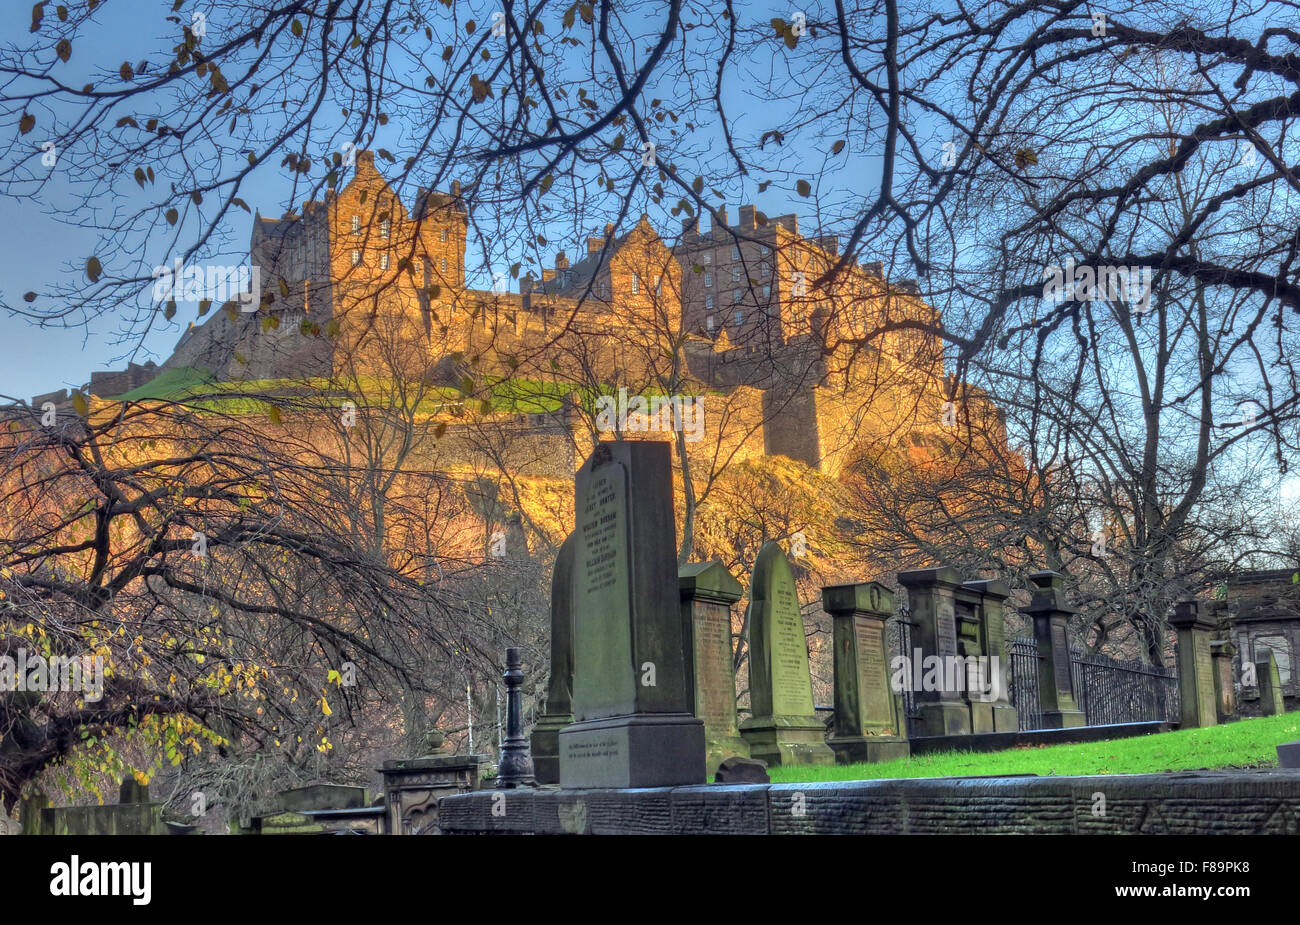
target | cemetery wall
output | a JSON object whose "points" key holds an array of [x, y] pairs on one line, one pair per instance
{"points": [[1190, 803]]}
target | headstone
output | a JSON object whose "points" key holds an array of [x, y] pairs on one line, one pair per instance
{"points": [[29, 813], [783, 727], [545, 740], [515, 768], [1195, 665], [931, 597], [1222, 652], [132, 791], [413, 786], [707, 593], [867, 725], [1288, 754], [1270, 684], [631, 703], [993, 595], [738, 770], [1051, 615]]}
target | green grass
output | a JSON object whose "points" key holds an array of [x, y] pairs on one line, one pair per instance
{"points": [[1249, 743], [169, 384]]}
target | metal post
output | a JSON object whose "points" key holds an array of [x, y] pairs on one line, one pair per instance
{"points": [[515, 767]]}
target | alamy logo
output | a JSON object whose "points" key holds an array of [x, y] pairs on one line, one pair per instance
{"points": [[76, 877], [1131, 285], [31, 671], [979, 675], [657, 413], [215, 283]]}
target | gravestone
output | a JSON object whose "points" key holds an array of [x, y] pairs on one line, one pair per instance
{"points": [[931, 597], [1270, 684], [1288, 754], [1222, 652], [631, 702], [1051, 616], [992, 609], [1195, 665], [783, 727], [867, 725], [544, 743], [707, 593]]}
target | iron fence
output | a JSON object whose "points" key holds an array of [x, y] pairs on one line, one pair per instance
{"points": [[1110, 690]]}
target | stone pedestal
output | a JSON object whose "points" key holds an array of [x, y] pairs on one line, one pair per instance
{"points": [[1051, 616], [867, 725], [931, 596], [1222, 653], [544, 743], [631, 698], [784, 727], [1195, 668], [1270, 684], [707, 593]]}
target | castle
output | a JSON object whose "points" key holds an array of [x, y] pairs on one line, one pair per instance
{"points": [[360, 285]]}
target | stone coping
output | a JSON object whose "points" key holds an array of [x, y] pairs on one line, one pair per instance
{"points": [[1265, 801]]}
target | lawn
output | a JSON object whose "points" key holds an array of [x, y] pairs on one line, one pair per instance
{"points": [[1249, 743]]}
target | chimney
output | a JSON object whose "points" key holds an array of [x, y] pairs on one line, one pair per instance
{"points": [[561, 261], [691, 226], [829, 243], [789, 222], [594, 245], [747, 218], [548, 275], [720, 220], [455, 188], [367, 158], [876, 268], [908, 285]]}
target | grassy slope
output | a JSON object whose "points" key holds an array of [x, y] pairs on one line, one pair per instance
{"points": [[1245, 744]]}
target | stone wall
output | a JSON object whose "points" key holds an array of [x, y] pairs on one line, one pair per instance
{"points": [[1191, 803]]}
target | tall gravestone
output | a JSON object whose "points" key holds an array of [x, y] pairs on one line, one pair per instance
{"points": [[867, 725], [1195, 665], [1222, 652], [1051, 615], [631, 703], [1270, 684], [992, 609], [708, 592], [783, 727], [544, 743], [931, 594]]}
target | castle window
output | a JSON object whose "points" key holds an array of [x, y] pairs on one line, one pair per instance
{"points": [[708, 258], [356, 224], [740, 318], [735, 274], [765, 270], [708, 280], [636, 283], [444, 264], [708, 301], [356, 258], [767, 292], [386, 228], [383, 260], [736, 295], [659, 286], [442, 234], [709, 323], [735, 252]]}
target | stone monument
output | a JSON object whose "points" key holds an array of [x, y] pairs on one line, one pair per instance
{"points": [[1222, 652], [545, 739], [867, 726], [931, 595], [631, 703], [783, 727], [707, 593], [992, 595]]}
